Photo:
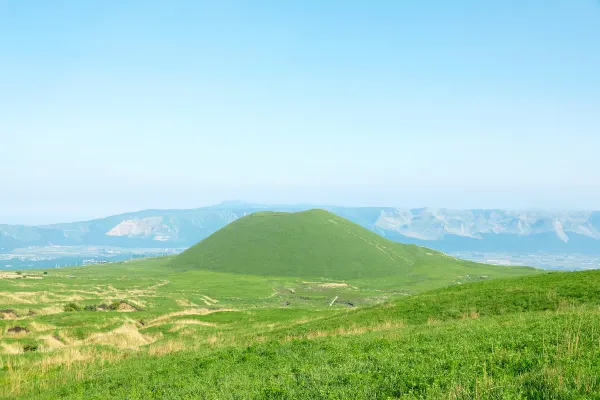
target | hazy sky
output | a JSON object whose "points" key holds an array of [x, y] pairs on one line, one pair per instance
{"points": [[112, 106]]}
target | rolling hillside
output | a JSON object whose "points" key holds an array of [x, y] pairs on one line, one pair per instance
{"points": [[527, 338], [317, 243]]}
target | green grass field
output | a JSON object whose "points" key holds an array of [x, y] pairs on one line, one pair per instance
{"points": [[169, 328]]}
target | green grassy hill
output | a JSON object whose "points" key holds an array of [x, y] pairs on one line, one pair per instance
{"points": [[523, 338], [317, 243]]}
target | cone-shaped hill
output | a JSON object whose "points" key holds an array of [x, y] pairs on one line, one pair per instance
{"points": [[316, 243]]}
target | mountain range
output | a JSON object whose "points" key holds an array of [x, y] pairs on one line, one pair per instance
{"points": [[441, 229]]}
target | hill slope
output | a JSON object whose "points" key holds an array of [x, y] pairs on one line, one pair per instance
{"points": [[317, 243], [545, 293], [530, 338]]}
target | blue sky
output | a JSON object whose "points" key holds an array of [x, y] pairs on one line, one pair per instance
{"points": [[110, 106]]}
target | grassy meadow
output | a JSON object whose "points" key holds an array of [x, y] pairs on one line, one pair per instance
{"points": [[62, 326]]}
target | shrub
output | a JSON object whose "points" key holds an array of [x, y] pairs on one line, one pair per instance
{"points": [[72, 307], [90, 307], [18, 329], [30, 347], [114, 305]]}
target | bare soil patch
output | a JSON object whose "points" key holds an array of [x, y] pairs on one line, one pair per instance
{"points": [[8, 314]]}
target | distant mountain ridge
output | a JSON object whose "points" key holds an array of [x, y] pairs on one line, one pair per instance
{"points": [[441, 229]]}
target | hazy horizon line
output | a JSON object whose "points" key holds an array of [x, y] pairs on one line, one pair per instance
{"points": [[225, 203]]}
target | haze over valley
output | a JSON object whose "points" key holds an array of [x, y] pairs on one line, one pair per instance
{"points": [[551, 240]]}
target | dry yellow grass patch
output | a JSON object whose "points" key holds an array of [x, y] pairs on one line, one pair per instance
{"points": [[162, 283], [136, 303], [212, 300], [182, 324], [8, 315], [208, 303], [193, 322], [59, 284], [11, 348], [66, 356], [124, 307], [49, 310], [353, 330], [330, 285], [68, 340], [185, 303], [39, 327], [73, 297], [45, 298], [138, 292], [326, 284], [472, 315], [79, 357], [187, 331], [159, 349], [124, 337], [18, 297], [198, 311], [95, 294], [260, 339], [9, 275], [212, 340], [50, 343], [333, 285]]}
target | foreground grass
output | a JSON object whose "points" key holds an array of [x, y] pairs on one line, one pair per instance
{"points": [[537, 355], [207, 335]]}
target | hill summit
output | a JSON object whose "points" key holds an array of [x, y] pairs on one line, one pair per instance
{"points": [[314, 243]]}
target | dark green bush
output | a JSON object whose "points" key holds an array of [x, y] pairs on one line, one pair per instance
{"points": [[72, 307], [30, 347]]}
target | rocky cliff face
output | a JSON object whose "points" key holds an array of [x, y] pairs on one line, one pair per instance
{"points": [[435, 224]]}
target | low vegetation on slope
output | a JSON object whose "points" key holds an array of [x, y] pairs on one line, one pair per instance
{"points": [[317, 243], [527, 338]]}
